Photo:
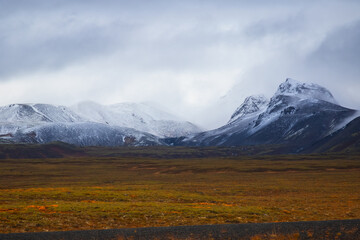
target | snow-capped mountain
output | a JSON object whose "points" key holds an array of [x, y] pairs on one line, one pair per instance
{"points": [[90, 123], [140, 116], [297, 114]]}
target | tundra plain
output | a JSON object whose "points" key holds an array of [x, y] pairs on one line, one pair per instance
{"points": [[111, 188]]}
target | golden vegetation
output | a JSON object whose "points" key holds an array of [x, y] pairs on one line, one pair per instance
{"points": [[101, 193]]}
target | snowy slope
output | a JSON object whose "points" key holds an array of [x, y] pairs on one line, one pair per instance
{"points": [[85, 134], [139, 116]]}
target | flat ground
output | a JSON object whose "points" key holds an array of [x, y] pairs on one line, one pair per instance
{"points": [[116, 192]]}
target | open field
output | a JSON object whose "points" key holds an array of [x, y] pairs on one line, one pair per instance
{"points": [[114, 192]]}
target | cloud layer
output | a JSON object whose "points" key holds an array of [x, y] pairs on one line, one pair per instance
{"points": [[184, 55]]}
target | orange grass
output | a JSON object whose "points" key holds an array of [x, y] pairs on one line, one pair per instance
{"points": [[90, 193]]}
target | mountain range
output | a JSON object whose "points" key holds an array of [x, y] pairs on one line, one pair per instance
{"points": [[304, 117]]}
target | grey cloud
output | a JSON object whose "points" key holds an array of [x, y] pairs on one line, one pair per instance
{"points": [[257, 44], [185, 49], [33, 51], [335, 64], [110, 26], [49, 54], [340, 50], [287, 25]]}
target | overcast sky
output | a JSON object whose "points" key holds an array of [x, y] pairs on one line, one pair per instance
{"points": [[184, 55]]}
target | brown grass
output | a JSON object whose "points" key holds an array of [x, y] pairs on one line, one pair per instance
{"points": [[101, 193]]}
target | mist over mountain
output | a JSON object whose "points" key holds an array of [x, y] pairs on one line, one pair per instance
{"points": [[297, 116]]}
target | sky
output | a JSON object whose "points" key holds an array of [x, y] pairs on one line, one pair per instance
{"points": [[196, 59]]}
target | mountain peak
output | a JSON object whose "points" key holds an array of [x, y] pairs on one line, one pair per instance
{"points": [[251, 104], [292, 87]]}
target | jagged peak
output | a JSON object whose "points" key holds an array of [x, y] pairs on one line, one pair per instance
{"points": [[251, 104], [292, 87]]}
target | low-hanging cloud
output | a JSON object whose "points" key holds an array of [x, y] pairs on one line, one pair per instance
{"points": [[340, 50], [185, 55]]}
